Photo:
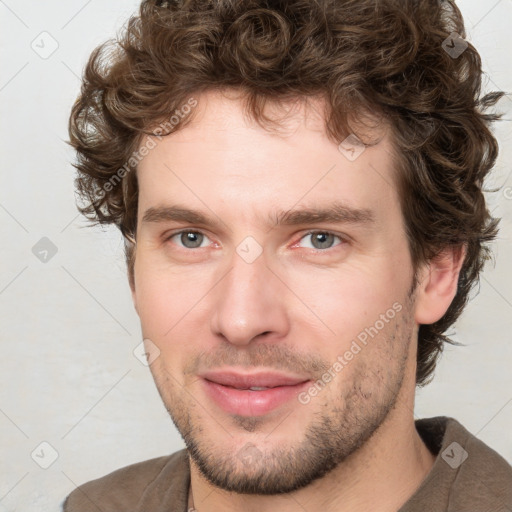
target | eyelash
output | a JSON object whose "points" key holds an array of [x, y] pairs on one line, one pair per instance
{"points": [[312, 232]]}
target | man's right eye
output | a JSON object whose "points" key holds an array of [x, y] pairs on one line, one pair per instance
{"points": [[189, 239]]}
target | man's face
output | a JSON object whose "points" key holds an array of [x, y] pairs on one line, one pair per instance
{"points": [[218, 310]]}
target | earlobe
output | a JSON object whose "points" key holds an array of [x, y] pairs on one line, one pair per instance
{"points": [[438, 285]]}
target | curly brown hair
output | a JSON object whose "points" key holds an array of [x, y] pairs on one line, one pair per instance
{"points": [[387, 57]]}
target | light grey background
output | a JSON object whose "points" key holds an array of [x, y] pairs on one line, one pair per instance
{"points": [[68, 376]]}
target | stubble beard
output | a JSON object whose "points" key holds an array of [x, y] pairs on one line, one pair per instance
{"points": [[338, 429]]}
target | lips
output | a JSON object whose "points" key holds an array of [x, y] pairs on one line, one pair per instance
{"points": [[252, 394], [257, 380]]}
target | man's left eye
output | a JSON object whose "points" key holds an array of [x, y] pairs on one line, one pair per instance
{"points": [[321, 239]]}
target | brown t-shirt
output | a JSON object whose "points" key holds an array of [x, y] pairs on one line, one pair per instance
{"points": [[467, 476]]}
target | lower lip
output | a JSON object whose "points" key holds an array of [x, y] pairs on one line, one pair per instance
{"points": [[251, 403]]}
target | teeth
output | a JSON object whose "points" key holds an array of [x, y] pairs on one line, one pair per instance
{"points": [[255, 388]]}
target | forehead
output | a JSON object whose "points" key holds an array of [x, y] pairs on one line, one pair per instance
{"points": [[224, 156], [227, 111]]}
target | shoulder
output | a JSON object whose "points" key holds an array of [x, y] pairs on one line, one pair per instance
{"points": [[467, 474], [130, 487], [481, 471]]}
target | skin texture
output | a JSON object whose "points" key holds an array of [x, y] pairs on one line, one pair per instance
{"points": [[295, 308]]}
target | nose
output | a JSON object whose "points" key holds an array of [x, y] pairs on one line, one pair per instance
{"points": [[249, 302]]}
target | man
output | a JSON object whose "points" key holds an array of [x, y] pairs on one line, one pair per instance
{"points": [[300, 189]]}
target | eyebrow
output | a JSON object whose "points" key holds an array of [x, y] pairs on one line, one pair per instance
{"points": [[334, 213]]}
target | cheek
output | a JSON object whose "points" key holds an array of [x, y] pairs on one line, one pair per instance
{"points": [[157, 300], [348, 299], [163, 315], [167, 297]]}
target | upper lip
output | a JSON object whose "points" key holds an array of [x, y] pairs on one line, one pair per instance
{"points": [[266, 379]]}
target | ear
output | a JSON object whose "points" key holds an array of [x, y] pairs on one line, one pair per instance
{"points": [[130, 248], [131, 281], [438, 285]]}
